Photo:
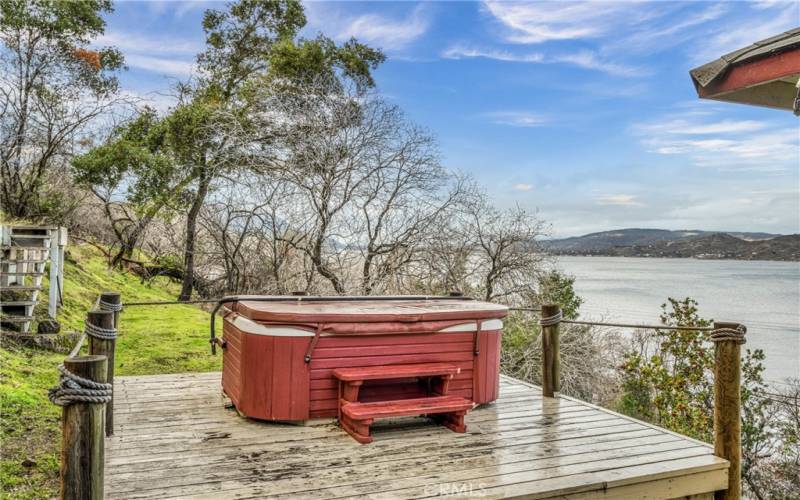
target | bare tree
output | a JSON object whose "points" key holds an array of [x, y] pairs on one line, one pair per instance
{"points": [[400, 204], [369, 183], [507, 255], [245, 232], [51, 91], [488, 252]]}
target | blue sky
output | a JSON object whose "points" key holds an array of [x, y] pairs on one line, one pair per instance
{"points": [[583, 111]]}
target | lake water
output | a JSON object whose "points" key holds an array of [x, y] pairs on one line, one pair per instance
{"points": [[765, 296]]}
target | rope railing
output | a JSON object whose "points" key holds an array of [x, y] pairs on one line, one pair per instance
{"points": [[526, 309], [77, 347], [170, 302], [641, 326], [296, 297]]}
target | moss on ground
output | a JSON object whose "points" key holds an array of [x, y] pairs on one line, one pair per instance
{"points": [[153, 339]]}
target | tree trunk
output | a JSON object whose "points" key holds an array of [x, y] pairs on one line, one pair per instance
{"points": [[323, 269], [366, 273], [191, 232], [129, 243]]}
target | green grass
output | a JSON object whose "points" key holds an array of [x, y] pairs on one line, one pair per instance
{"points": [[153, 339]]}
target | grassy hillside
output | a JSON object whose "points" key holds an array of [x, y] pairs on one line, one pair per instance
{"points": [[159, 339]]}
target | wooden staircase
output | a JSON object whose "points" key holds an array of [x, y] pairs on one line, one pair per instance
{"points": [[24, 254], [356, 417]]}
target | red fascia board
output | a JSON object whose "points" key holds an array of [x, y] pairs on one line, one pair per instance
{"points": [[754, 73]]}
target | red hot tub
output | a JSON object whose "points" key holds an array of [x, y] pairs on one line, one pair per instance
{"points": [[279, 356]]}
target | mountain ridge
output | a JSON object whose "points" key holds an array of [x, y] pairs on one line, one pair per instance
{"points": [[640, 242]]}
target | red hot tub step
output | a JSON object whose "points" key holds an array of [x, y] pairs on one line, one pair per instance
{"points": [[448, 410], [351, 379], [356, 417], [387, 372]]}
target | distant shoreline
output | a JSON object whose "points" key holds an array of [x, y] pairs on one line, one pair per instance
{"points": [[656, 257]]}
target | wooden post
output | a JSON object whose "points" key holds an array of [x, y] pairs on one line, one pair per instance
{"points": [[52, 302], [114, 299], [83, 436], [62, 246], [551, 357], [103, 347], [727, 408]]}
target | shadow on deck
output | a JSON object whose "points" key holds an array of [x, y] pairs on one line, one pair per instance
{"points": [[174, 439]]}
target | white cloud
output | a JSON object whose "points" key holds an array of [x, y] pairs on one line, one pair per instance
{"points": [[767, 151], [590, 60], [149, 44], [621, 200], [163, 54], [682, 126], [667, 33], [185, 7], [584, 59], [523, 187], [180, 8], [165, 66], [517, 118], [567, 20], [723, 144], [774, 210], [375, 29], [159, 101], [461, 52]]}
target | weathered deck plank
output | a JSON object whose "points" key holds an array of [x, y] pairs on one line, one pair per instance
{"points": [[174, 439]]}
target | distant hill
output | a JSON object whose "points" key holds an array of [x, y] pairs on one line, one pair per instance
{"points": [[697, 244]]}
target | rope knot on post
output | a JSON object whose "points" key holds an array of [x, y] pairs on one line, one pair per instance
{"points": [[726, 333], [75, 389], [108, 306], [98, 332], [551, 320]]}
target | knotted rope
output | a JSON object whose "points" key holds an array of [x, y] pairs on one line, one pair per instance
{"points": [[99, 332], [722, 334], [108, 306], [74, 389], [551, 320]]}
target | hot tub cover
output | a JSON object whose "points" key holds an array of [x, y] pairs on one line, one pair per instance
{"points": [[368, 311]]}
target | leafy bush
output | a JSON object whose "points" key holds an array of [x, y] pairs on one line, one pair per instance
{"points": [[668, 380]]}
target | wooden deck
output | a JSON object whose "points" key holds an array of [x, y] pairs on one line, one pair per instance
{"points": [[174, 439]]}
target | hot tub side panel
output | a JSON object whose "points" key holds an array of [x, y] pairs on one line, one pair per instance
{"points": [[273, 378], [232, 362], [375, 350], [486, 372], [267, 378]]}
